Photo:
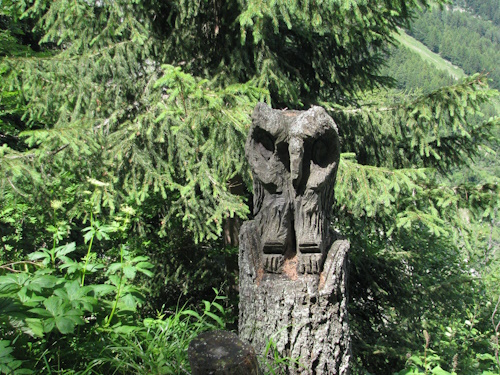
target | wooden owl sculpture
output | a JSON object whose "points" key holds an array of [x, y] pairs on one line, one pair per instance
{"points": [[294, 157]]}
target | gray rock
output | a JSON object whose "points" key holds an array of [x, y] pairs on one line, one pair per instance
{"points": [[221, 353]]}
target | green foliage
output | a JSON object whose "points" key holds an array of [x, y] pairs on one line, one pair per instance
{"points": [[8, 364], [338, 37], [464, 339], [432, 130], [45, 305], [274, 363], [159, 345], [463, 334], [488, 9], [409, 232], [47, 312], [125, 133]]}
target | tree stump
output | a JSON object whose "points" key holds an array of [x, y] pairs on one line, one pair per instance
{"points": [[293, 267], [221, 353]]}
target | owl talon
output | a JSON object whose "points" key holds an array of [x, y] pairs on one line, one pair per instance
{"points": [[273, 263], [302, 268], [310, 263]]}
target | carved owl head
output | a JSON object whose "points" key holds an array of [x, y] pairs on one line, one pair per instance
{"points": [[292, 151]]}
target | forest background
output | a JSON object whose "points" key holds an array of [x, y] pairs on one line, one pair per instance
{"points": [[123, 175]]}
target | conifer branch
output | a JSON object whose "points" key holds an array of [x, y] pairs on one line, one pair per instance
{"points": [[16, 189]]}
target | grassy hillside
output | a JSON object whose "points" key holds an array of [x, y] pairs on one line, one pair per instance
{"points": [[427, 55]]}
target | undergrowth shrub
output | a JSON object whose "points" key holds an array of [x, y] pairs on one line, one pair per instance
{"points": [[475, 347], [159, 345], [61, 313]]}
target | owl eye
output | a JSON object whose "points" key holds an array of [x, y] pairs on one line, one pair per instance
{"points": [[264, 143], [323, 152], [283, 154]]}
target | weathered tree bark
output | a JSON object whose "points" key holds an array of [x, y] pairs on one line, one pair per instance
{"points": [[293, 275], [305, 315]]}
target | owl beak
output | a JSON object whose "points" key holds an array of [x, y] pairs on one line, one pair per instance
{"points": [[296, 150]]}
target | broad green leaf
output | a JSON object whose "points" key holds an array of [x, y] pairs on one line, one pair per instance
{"points": [[48, 325], [35, 327], [115, 267], [218, 307], [75, 290], [129, 301], [129, 272], [39, 255], [439, 371], [41, 312], [54, 305], [215, 317], [65, 249], [191, 313], [5, 348], [66, 323], [40, 282], [102, 289], [12, 282]]}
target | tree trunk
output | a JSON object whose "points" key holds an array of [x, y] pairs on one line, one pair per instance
{"points": [[305, 315]]}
